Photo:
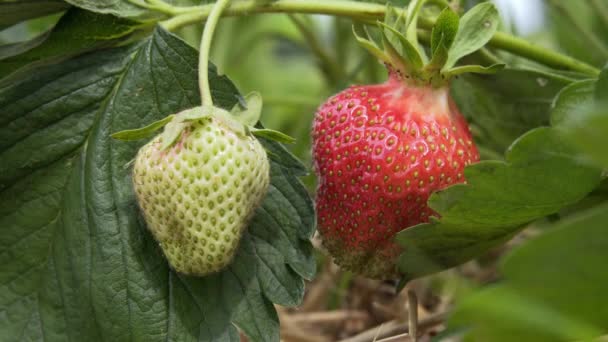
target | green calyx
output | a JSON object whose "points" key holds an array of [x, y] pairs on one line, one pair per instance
{"points": [[241, 119], [451, 39]]}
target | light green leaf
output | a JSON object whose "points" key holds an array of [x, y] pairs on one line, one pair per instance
{"points": [[144, 132], [445, 30], [84, 266], [440, 57], [195, 113], [272, 135], [477, 27], [171, 134], [409, 54], [362, 37], [251, 115], [474, 69], [395, 19], [554, 287]]}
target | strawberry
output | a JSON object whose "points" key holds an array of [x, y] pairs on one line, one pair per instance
{"points": [[381, 150], [198, 195], [200, 181]]}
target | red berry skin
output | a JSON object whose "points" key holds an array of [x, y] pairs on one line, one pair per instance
{"points": [[379, 152]]}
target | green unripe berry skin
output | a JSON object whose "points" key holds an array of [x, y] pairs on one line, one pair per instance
{"points": [[198, 195]]}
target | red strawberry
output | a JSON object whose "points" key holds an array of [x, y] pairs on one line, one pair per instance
{"points": [[379, 152]]}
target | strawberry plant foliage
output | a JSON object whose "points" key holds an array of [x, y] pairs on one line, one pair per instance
{"points": [[542, 173], [77, 31], [79, 262], [502, 107], [575, 310]]}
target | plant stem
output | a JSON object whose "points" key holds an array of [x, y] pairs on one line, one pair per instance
{"points": [[550, 58], [412, 314], [203, 62], [369, 12]]}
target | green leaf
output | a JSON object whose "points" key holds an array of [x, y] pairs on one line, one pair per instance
{"points": [[579, 29], [362, 38], [272, 135], [601, 91], [13, 49], [12, 12], [77, 31], [541, 175], [119, 8], [554, 287], [571, 100], [507, 104], [395, 19], [144, 132], [78, 262], [251, 114], [582, 116], [408, 55], [440, 56], [445, 30], [477, 27], [411, 19], [474, 69]]}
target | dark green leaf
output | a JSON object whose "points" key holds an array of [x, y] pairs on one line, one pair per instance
{"points": [[78, 261], [507, 104], [541, 175], [477, 26], [119, 8], [13, 49], [12, 12], [445, 29], [554, 288], [76, 31]]}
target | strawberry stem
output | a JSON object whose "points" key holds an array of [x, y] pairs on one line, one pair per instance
{"points": [[203, 62]]}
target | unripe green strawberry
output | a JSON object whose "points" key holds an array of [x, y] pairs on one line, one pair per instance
{"points": [[198, 195]]}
